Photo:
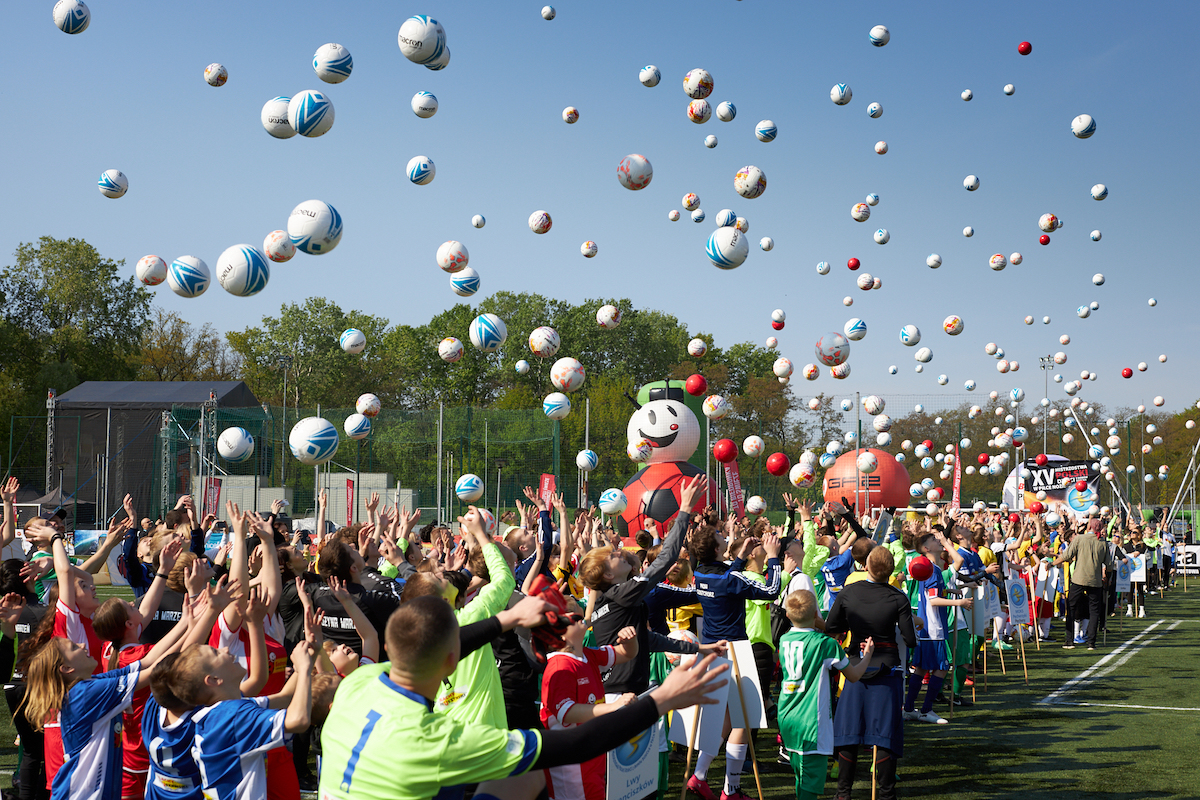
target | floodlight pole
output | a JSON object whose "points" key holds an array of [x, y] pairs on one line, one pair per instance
{"points": [[284, 361], [1047, 363]]}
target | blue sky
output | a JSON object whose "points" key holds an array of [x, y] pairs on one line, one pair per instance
{"points": [[129, 94]]}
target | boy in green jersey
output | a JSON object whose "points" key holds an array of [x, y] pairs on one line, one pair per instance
{"points": [[805, 707]]}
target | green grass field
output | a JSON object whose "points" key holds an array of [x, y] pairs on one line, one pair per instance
{"points": [[1090, 742]]}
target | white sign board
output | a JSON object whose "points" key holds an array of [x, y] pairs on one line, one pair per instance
{"points": [[710, 719], [1124, 570], [1018, 602], [633, 767], [751, 690], [1137, 568]]}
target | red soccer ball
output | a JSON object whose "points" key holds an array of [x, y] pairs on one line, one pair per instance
{"points": [[1044, 239], [725, 450], [1014, 518], [777, 325], [921, 568], [928, 443], [1024, 48], [695, 385], [1036, 507], [853, 264], [778, 464], [1127, 373], [940, 492], [1081, 486], [983, 459], [1041, 459]]}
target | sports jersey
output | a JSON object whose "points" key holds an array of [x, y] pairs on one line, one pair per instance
{"points": [[238, 644], [475, 693], [935, 618], [91, 723], [835, 570], [230, 744], [384, 742], [571, 679], [70, 624], [723, 591], [173, 774], [758, 616], [135, 762], [805, 708], [338, 626], [166, 616]]}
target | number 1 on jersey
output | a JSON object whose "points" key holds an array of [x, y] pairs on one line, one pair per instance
{"points": [[372, 718]]}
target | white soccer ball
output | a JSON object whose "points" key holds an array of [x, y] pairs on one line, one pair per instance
{"points": [[725, 218], [450, 350], [556, 406], [771, 343], [608, 317], [753, 446], [488, 333], [453, 256], [544, 341], [548, 13], [967, 94], [766, 131], [823, 268], [882, 237], [840, 93], [422, 40], [650, 75], [727, 248], [113, 183], [468, 487], [275, 118], [698, 215], [368, 405], [782, 367], [71, 16], [424, 105], [421, 170], [587, 460], [634, 172], [698, 83], [522, 367], [310, 113], [151, 270], [1099, 191], [881, 147], [968, 231], [880, 35], [924, 355], [1009, 88], [710, 141], [612, 501], [875, 111], [353, 341], [1095, 236], [865, 281], [465, 282], [933, 261], [766, 244], [188, 276], [215, 75], [726, 111], [854, 329], [867, 462], [242, 270], [278, 247], [540, 222], [910, 335], [970, 183], [357, 426], [1083, 126], [478, 221], [750, 182], [235, 444], [1098, 279], [315, 227], [697, 348], [313, 441], [567, 374], [332, 63]]}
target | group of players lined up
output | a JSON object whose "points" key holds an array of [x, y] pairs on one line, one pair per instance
{"points": [[426, 664]]}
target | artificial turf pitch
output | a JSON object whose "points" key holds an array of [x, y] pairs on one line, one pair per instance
{"points": [[1089, 741]]}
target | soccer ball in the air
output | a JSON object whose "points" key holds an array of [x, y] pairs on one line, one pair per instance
{"points": [[465, 282], [353, 341], [488, 332], [315, 227], [113, 183], [452, 256], [357, 426], [332, 63], [151, 270], [188, 276], [275, 118], [235, 444], [469, 488], [215, 75], [420, 170], [278, 246], [310, 113], [313, 440], [727, 248], [424, 105], [242, 270]]}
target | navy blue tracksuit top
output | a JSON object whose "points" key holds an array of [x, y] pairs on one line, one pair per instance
{"points": [[724, 590]]}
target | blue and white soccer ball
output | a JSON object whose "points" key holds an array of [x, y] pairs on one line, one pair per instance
{"points": [[315, 227], [71, 16], [522, 367], [556, 406], [612, 501], [1099, 191], [313, 441], [478, 221], [880, 35], [766, 244], [310, 113], [875, 111], [275, 118], [113, 183], [710, 141], [726, 111], [420, 170], [698, 215], [916, 490], [910, 335], [882, 236], [353, 341], [969, 385], [357, 426], [587, 460], [1017, 394], [488, 333], [766, 131], [441, 62], [469, 488], [332, 63], [188, 276], [823, 268], [548, 13], [725, 218], [424, 105], [422, 39], [1083, 126], [1020, 435], [727, 248], [840, 93], [235, 445], [243, 270], [970, 183], [650, 75], [1095, 236], [855, 329], [465, 282], [827, 460]]}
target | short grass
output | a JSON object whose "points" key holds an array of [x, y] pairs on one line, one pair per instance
{"points": [[1008, 745]]}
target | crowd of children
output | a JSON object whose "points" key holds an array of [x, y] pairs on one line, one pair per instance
{"points": [[510, 661]]}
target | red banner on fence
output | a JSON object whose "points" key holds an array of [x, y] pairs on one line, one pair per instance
{"points": [[955, 500], [212, 496], [349, 502], [547, 488], [733, 480]]}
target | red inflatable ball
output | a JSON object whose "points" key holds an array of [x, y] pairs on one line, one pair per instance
{"points": [[777, 325], [1036, 507], [778, 464], [1127, 373], [940, 492], [725, 450], [1041, 459], [928, 443], [853, 264], [1024, 48], [921, 568], [696, 385], [1081, 486], [655, 493], [1014, 518], [1044, 239], [886, 486], [983, 459]]}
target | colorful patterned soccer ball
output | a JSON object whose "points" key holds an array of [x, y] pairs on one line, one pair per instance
{"points": [[310, 113], [567, 374], [151, 270], [313, 441], [756, 506], [873, 404], [699, 111], [691, 201], [488, 333], [750, 182], [952, 325], [278, 247], [698, 84], [998, 262], [450, 349], [556, 406], [540, 222], [588, 249], [368, 405], [832, 349], [188, 276], [716, 407], [634, 172], [315, 227], [639, 451], [697, 348], [544, 342], [452, 256], [215, 75], [570, 115], [235, 444], [608, 317], [420, 170], [332, 63]]}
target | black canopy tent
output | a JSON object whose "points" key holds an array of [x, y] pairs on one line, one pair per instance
{"points": [[115, 451]]}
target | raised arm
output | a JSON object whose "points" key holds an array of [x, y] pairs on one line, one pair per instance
{"points": [[322, 503], [239, 564], [271, 579], [256, 672], [166, 562], [366, 631], [9, 493]]}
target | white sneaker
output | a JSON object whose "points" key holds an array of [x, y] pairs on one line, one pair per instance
{"points": [[911, 716], [1129, 611], [1142, 613], [930, 716]]}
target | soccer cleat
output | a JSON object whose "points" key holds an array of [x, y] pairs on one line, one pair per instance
{"points": [[999, 645], [932, 717], [1091, 647], [1141, 613], [737, 794], [1068, 647], [700, 788], [1129, 611], [911, 715]]}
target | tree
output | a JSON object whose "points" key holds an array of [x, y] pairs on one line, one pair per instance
{"points": [[173, 349]]}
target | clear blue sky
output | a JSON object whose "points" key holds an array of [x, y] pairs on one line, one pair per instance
{"points": [[129, 94]]}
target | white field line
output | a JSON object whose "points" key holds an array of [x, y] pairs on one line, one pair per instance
{"points": [[1052, 698], [1123, 705]]}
